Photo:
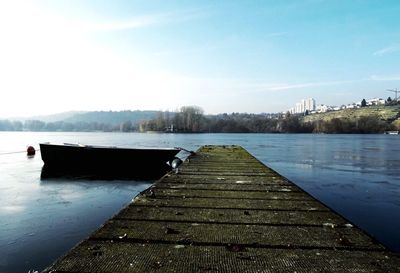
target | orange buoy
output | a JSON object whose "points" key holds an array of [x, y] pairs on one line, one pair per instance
{"points": [[30, 150]]}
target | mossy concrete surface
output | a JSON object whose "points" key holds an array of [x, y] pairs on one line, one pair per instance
{"points": [[224, 211]]}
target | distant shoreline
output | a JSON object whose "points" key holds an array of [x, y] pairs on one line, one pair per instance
{"points": [[190, 119], [201, 133]]}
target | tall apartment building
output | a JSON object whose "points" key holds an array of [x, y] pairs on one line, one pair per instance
{"points": [[310, 104], [303, 106]]}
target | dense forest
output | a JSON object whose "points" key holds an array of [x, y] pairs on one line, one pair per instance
{"points": [[191, 119]]}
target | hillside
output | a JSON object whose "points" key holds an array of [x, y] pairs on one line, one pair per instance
{"points": [[81, 121], [49, 118], [385, 113], [112, 117]]}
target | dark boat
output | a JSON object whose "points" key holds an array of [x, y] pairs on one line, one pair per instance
{"points": [[105, 162]]}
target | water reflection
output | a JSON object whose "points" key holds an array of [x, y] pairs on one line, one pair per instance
{"points": [[12, 209], [112, 174], [34, 212], [357, 175]]}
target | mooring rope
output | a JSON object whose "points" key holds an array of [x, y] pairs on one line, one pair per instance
{"points": [[17, 152]]}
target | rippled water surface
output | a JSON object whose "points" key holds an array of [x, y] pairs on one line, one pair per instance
{"points": [[356, 175]]}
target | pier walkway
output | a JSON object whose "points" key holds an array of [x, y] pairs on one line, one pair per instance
{"points": [[224, 211]]}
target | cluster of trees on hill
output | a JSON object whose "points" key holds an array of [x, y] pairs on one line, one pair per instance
{"points": [[190, 119], [390, 101]]}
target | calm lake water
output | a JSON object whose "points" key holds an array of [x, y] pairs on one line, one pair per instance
{"points": [[356, 175]]}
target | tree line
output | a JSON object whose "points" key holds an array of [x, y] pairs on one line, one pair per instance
{"points": [[62, 126], [191, 119]]}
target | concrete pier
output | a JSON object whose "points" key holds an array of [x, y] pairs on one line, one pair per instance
{"points": [[224, 211]]}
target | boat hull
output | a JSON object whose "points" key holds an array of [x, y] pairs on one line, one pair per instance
{"points": [[108, 162]]}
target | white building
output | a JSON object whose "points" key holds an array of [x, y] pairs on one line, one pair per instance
{"points": [[310, 104], [322, 108], [299, 107], [303, 106], [375, 101], [351, 106]]}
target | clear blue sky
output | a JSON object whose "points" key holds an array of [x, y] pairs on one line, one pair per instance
{"points": [[225, 56]]}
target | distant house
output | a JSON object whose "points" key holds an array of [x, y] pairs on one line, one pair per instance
{"points": [[351, 106], [322, 108], [375, 101], [169, 128]]}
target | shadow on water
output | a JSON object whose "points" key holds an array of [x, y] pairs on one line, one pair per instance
{"points": [[107, 174]]}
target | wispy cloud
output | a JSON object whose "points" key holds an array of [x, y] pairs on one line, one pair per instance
{"points": [[141, 21], [224, 43], [205, 48], [33, 20], [137, 22], [241, 86], [387, 50], [308, 84], [385, 77]]}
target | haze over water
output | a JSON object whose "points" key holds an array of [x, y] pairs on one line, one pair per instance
{"points": [[356, 175]]}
